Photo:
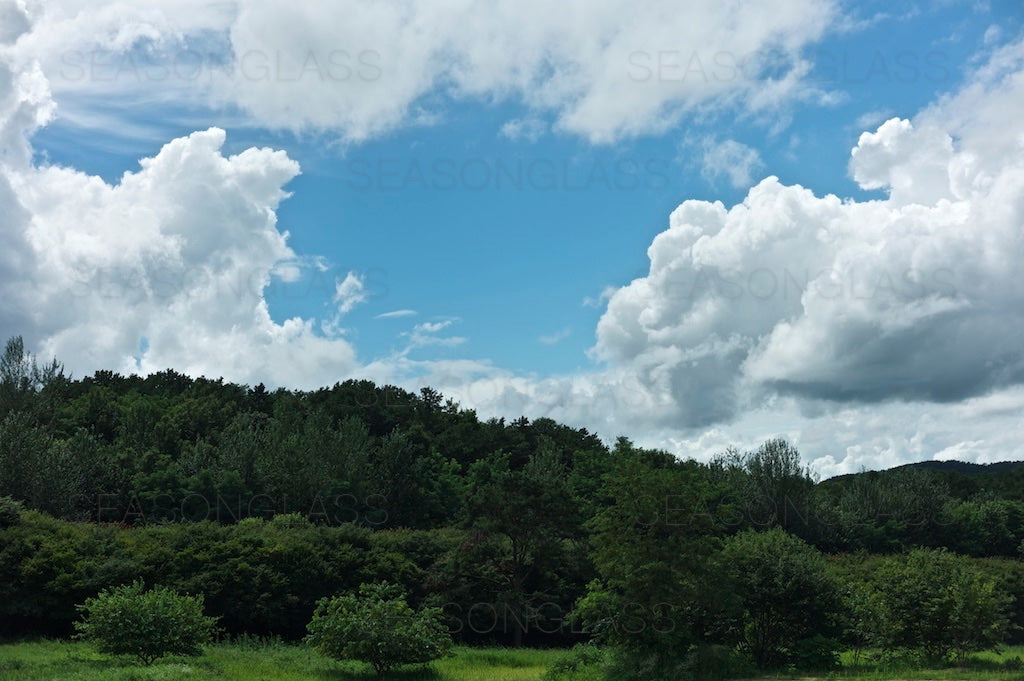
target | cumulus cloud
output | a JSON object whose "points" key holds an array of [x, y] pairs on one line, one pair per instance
{"points": [[165, 268], [361, 69], [870, 332]]}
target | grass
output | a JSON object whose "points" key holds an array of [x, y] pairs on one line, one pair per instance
{"points": [[64, 660], [987, 666], [50, 660]]}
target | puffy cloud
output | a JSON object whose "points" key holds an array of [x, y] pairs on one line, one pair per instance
{"points": [[167, 267], [602, 69], [871, 333], [912, 297]]}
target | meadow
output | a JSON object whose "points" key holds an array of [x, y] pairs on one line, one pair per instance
{"points": [[55, 660], [251, 660]]}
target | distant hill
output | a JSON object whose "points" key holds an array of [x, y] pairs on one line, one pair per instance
{"points": [[960, 467]]}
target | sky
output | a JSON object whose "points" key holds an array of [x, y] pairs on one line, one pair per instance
{"points": [[698, 225]]}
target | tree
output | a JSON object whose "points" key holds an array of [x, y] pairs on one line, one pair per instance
{"points": [[21, 377], [10, 512], [785, 592], [519, 522], [129, 620], [937, 602], [658, 594], [378, 627]]}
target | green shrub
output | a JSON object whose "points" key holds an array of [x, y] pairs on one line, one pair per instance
{"points": [[715, 661], [582, 662], [378, 627], [817, 653], [129, 620]]}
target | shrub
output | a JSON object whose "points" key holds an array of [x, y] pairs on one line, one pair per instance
{"points": [[787, 596], [129, 620], [816, 653], [583, 661], [378, 627], [940, 603]]}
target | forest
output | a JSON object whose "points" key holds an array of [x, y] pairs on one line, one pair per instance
{"points": [[523, 533]]}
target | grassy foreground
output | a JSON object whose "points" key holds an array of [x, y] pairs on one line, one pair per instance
{"points": [[64, 660]]}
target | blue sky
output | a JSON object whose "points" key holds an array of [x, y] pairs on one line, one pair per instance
{"points": [[490, 200]]}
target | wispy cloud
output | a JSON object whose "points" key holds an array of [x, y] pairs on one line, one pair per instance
{"points": [[395, 314], [556, 337], [349, 292], [730, 159]]}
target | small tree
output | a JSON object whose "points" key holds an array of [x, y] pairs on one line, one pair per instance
{"points": [[938, 602], [378, 627], [788, 600], [129, 620]]}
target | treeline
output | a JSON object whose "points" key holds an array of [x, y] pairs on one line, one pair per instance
{"points": [[523, 531]]}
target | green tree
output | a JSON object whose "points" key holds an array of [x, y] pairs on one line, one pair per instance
{"points": [[129, 620], [658, 594], [785, 592], [520, 523], [378, 627], [937, 602]]}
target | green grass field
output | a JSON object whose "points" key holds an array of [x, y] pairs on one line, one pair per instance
{"points": [[63, 660], [60, 660]]}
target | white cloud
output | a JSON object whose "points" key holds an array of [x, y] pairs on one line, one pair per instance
{"points": [[432, 327], [730, 159], [177, 253], [349, 292], [555, 338], [871, 333], [520, 129], [395, 314], [603, 70]]}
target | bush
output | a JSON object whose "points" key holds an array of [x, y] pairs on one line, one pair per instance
{"points": [[786, 596], [128, 620], [817, 653], [939, 603], [583, 661], [715, 661], [378, 627]]}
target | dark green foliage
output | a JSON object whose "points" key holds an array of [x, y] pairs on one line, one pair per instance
{"points": [[582, 663], [788, 602], [378, 627], [521, 526], [10, 512], [657, 593], [148, 624], [939, 603], [266, 501]]}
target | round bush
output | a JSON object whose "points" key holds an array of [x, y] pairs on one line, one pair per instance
{"points": [[129, 620], [378, 627]]}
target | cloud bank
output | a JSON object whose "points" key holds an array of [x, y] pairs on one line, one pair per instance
{"points": [[603, 70]]}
